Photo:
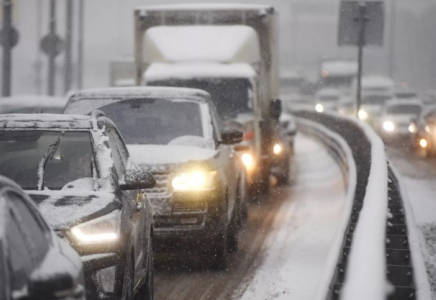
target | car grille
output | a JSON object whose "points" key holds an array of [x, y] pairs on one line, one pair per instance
{"points": [[162, 186], [190, 207]]}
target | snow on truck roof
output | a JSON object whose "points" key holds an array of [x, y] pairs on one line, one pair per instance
{"points": [[24, 101], [377, 81], [209, 43], [206, 6], [162, 71]]}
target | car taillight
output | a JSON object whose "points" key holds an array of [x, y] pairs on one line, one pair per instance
{"points": [[248, 135]]}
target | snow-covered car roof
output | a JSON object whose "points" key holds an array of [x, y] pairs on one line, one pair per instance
{"points": [[162, 71], [396, 102], [202, 43], [89, 100], [52, 121], [328, 92], [205, 6], [377, 81], [17, 102]]}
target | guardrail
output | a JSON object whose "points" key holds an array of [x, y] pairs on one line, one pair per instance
{"points": [[374, 259]]}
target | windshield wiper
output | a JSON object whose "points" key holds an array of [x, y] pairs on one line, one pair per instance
{"points": [[47, 156]]}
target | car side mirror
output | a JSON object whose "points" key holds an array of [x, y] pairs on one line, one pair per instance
{"points": [[276, 109], [47, 288], [231, 137], [137, 180]]}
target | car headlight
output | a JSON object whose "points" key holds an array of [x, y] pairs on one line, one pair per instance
{"points": [[194, 181], [423, 143], [388, 126], [363, 115], [104, 229], [248, 161], [427, 129], [412, 128], [277, 150], [319, 108]]}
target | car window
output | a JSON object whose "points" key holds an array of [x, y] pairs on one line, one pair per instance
{"points": [[116, 155], [37, 235], [20, 262]]}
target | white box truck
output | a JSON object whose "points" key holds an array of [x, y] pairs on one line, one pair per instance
{"points": [[231, 51]]}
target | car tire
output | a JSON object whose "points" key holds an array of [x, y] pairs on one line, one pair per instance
{"points": [[128, 286], [146, 291], [219, 252], [243, 193], [233, 236], [285, 178]]}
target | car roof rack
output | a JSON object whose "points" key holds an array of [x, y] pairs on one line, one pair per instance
{"points": [[95, 115]]}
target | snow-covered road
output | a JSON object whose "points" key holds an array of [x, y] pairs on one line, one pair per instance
{"points": [[419, 177], [297, 247]]}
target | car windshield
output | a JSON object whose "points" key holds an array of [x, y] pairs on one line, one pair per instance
{"points": [[23, 151], [376, 99], [329, 98], [404, 109], [230, 96], [406, 95], [155, 121]]}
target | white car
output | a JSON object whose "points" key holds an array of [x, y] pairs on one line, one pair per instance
{"points": [[327, 100], [397, 116]]}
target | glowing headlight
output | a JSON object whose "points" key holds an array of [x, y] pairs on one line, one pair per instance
{"points": [[101, 230], [277, 149], [427, 128], [363, 115], [319, 108], [248, 161], [194, 181], [412, 128], [388, 126], [423, 143]]}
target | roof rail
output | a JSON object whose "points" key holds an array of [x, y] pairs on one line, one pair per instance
{"points": [[94, 118]]}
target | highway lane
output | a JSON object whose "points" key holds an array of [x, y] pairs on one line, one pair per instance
{"points": [[284, 243]]}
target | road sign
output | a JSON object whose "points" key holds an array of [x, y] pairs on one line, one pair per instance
{"points": [[349, 25], [14, 37], [52, 44]]}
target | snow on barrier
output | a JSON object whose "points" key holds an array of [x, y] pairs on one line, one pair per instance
{"points": [[373, 257]]}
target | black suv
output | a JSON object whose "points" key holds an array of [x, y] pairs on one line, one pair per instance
{"points": [[79, 173], [28, 247]]}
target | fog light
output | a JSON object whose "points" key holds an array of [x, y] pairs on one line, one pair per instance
{"points": [[388, 126], [319, 108], [423, 143], [277, 149]]}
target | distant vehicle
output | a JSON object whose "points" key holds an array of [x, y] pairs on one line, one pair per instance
{"points": [[423, 130], [327, 100], [32, 105], [229, 50], [396, 117], [338, 74], [376, 91], [177, 135], [79, 173], [293, 90], [34, 262], [405, 94]]}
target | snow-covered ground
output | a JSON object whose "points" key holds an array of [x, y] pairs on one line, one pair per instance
{"points": [[297, 248], [419, 176]]}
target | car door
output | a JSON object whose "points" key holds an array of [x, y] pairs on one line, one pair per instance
{"points": [[28, 240], [139, 204]]}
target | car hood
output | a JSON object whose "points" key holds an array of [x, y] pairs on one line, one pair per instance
{"points": [[169, 154], [64, 209]]}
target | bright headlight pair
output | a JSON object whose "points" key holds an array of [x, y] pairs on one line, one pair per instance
{"points": [[105, 229], [389, 126], [194, 181]]}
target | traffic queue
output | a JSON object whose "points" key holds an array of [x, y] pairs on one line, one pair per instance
{"points": [[127, 172]]}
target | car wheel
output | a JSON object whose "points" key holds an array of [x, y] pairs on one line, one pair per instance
{"points": [[128, 293], [219, 252], [233, 236], [146, 291]]}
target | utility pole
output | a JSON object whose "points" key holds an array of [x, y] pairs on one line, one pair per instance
{"points": [[80, 56], [38, 64], [68, 76], [362, 20], [52, 54], [7, 48], [392, 36]]}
